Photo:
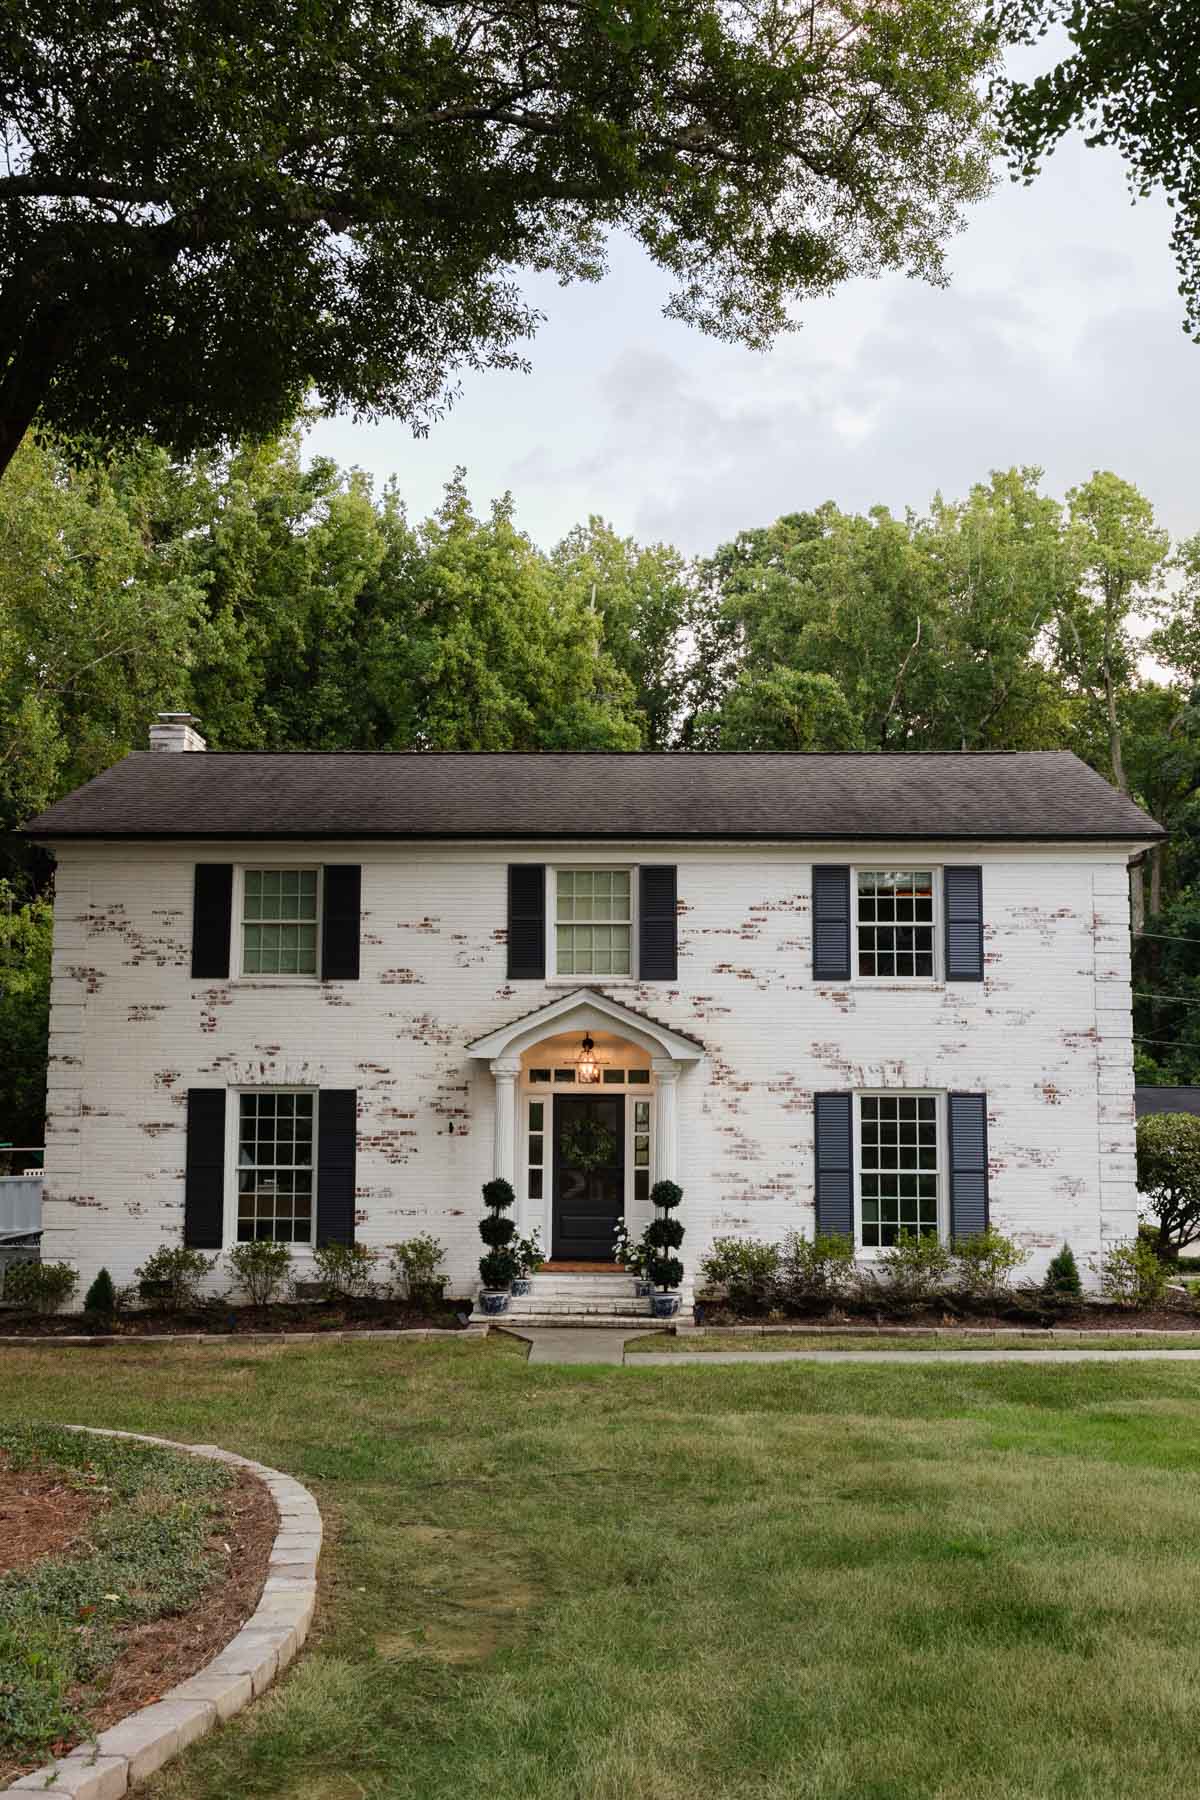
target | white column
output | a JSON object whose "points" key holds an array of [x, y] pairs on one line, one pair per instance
{"points": [[506, 1072], [666, 1119]]}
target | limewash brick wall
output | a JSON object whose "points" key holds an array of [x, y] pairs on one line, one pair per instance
{"points": [[1046, 1035]]}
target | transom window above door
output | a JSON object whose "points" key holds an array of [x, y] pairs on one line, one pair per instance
{"points": [[593, 922], [895, 923], [279, 921]]}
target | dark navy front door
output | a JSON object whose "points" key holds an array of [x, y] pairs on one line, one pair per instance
{"points": [[589, 1202]]}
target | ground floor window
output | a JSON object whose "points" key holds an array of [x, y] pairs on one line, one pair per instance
{"points": [[899, 1168], [275, 1165]]}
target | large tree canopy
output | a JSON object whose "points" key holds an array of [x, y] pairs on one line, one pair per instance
{"points": [[1131, 81], [210, 208]]}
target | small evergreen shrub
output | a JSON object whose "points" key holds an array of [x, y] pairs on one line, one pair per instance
{"points": [[1130, 1274], [345, 1271], [100, 1301], [172, 1275], [1062, 1276], [261, 1268], [812, 1270], [986, 1263], [500, 1266], [417, 1264], [744, 1267], [40, 1287], [916, 1267]]}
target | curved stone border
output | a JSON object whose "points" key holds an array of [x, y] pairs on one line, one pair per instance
{"points": [[89, 1340], [128, 1752]]}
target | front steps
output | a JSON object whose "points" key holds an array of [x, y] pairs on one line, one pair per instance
{"points": [[596, 1300]]}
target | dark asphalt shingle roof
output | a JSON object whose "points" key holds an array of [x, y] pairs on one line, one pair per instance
{"points": [[1166, 1100], [1019, 795]]}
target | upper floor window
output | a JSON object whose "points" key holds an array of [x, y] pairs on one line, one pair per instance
{"points": [[275, 1163], [593, 922], [279, 921], [895, 923]]}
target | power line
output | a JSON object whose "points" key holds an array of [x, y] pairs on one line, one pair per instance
{"points": [[1161, 937], [1164, 1043], [1163, 999]]}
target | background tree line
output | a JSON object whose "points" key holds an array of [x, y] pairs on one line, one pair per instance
{"points": [[292, 607]]}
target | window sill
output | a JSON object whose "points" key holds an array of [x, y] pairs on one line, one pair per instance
{"points": [[574, 981], [890, 984], [271, 981]]}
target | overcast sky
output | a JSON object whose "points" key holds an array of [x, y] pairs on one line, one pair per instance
{"points": [[1057, 343]]}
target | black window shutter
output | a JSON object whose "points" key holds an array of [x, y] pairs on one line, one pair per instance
{"points": [[968, 1164], [204, 1180], [526, 921], [337, 1141], [834, 1132], [658, 946], [831, 923], [340, 909], [962, 892], [212, 919]]}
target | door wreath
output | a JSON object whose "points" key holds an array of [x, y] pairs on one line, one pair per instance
{"points": [[587, 1145]]}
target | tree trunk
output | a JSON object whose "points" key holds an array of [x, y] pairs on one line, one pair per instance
{"points": [[1114, 732], [1157, 856]]}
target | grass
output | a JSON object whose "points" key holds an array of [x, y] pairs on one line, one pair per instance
{"points": [[884, 1340], [63, 1622], [788, 1582]]}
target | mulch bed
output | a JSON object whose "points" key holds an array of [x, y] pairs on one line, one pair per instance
{"points": [[165, 1651], [1012, 1318], [309, 1315], [40, 1515]]}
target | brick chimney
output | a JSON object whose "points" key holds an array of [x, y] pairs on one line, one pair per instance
{"points": [[176, 731]]}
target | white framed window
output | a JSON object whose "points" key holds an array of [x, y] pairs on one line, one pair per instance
{"points": [[279, 913], [592, 922], [895, 924], [899, 1163], [536, 1139], [274, 1188]]}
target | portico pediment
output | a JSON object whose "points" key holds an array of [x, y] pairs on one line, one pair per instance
{"points": [[586, 1009]]}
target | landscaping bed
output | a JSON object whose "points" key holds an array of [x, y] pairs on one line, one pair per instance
{"points": [[225, 1320], [869, 1319], [123, 1570]]}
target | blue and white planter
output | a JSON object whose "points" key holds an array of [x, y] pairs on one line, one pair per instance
{"points": [[493, 1301], [522, 1286], [642, 1288], [666, 1306]]}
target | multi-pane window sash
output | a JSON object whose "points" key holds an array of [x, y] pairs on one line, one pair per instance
{"points": [[895, 923], [898, 1167], [641, 1149], [275, 1168], [279, 922], [593, 922]]}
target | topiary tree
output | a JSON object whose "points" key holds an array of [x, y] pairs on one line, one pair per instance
{"points": [[501, 1265], [663, 1236], [1168, 1178], [1062, 1276]]}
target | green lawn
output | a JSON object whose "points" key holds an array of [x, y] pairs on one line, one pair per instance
{"points": [[882, 1340], [797, 1582]]}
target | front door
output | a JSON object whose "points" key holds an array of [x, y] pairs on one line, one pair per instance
{"points": [[589, 1176]]}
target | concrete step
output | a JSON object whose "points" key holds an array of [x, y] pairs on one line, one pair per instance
{"points": [[615, 1288], [524, 1305], [630, 1322]]}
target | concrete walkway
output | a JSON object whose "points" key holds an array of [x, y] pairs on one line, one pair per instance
{"points": [[699, 1358], [578, 1345]]}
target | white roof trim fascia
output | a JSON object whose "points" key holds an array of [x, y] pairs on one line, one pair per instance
{"points": [[584, 1010]]}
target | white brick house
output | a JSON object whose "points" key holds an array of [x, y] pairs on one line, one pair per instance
{"points": [[328, 996]]}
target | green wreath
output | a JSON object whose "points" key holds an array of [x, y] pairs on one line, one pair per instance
{"points": [[588, 1145]]}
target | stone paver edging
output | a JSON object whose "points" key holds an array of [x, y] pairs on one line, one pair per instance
{"points": [[702, 1359], [130, 1751]]}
